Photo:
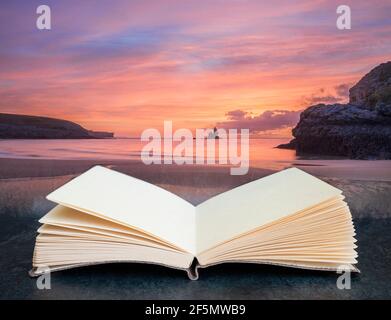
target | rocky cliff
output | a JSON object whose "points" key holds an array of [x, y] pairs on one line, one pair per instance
{"points": [[374, 89], [13, 126], [360, 129]]}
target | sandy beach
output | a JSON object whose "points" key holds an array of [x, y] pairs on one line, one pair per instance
{"points": [[24, 183]]}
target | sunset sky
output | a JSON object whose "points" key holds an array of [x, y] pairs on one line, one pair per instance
{"points": [[125, 66]]}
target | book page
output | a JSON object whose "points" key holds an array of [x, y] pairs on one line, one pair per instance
{"points": [[132, 202], [69, 218], [257, 203]]}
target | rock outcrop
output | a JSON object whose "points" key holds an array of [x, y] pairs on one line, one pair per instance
{"points": [[360, 129], [101, 134], [14, 126]]}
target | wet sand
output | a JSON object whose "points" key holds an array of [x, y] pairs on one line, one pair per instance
{"points": [[370, 170], [24, 183], [379, 170]]}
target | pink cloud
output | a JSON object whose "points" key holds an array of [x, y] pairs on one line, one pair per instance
{"points": [[266, 121]]}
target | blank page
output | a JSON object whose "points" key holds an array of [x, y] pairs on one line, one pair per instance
{"points": [[257, 203], [131, 201]]}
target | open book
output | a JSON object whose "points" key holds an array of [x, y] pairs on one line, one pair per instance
{"points": [[289, 218]]}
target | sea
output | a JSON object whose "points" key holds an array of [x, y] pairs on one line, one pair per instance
{"points": [[262, 152]]}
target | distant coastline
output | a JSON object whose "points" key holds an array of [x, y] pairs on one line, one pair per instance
{"points": [[15, 126]]}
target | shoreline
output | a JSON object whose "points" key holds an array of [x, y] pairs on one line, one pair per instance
{"points": [[368, 170]]}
